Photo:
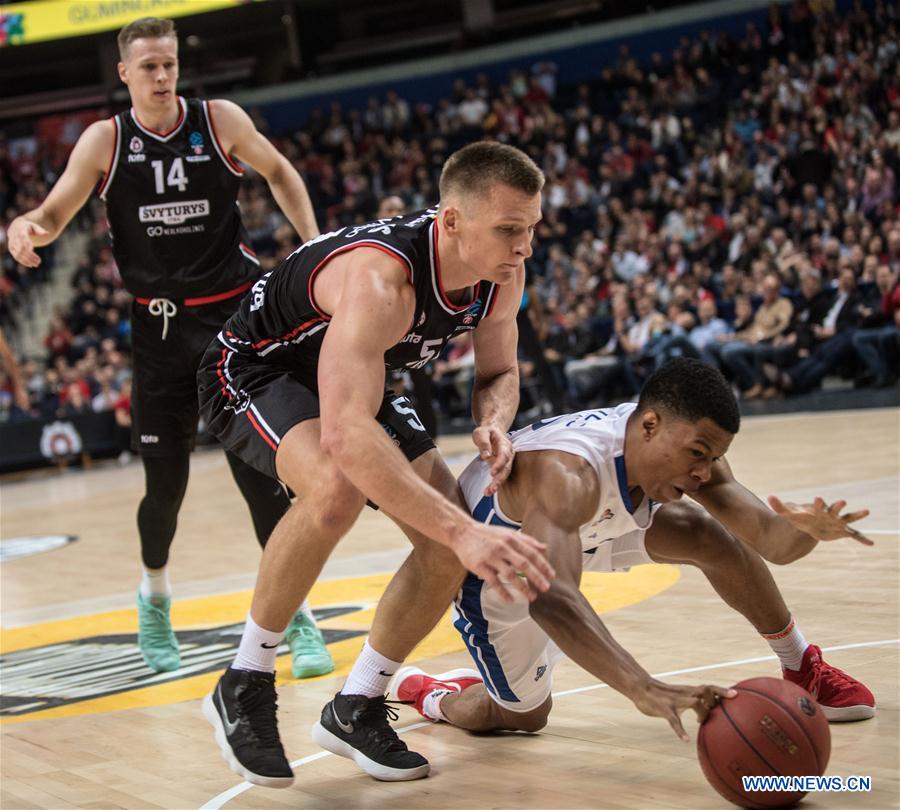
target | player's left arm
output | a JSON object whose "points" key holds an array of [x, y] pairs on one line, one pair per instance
{"points": [[239, 136], [781, 536], [495, 394]]}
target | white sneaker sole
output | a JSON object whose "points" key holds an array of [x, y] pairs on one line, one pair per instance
{"points": [[323, 737], [450, 675], [213, 718], [847, 714]]}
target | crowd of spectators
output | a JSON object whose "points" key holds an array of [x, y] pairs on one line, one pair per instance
{"points": [[735, 200], [25, 177], [86, 364]]}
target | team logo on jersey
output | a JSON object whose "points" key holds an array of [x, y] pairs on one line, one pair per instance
{"points": [[137, 154], [174, 213], [239, 403], [196, 140], [608, 514]]}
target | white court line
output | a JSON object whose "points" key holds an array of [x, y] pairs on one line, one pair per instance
{"points": [[225, 797], [738, 662]]}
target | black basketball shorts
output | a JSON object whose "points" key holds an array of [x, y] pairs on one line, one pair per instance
{"points": [[164, 404], [248, 405]]}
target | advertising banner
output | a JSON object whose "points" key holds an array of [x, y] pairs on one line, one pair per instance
{"points": [[41, 20]]}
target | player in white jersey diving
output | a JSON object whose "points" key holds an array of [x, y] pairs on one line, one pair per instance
{"points": [[603, 489]]}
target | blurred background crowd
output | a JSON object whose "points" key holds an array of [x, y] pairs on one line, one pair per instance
{"points": [[735, 199]]}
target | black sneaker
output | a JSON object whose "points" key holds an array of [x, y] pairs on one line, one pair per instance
{"points": [[241, 709], [357, 727]]}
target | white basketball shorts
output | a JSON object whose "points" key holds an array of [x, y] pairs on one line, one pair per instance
{"points": [[513, 654]]}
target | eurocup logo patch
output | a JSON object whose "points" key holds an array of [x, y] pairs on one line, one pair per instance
{"points": [[136, 145], [196, 140], [472, 311]]}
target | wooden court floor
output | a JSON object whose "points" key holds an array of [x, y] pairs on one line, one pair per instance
{"points": [[84, 724]]}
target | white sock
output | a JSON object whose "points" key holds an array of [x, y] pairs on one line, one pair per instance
{"points": [[789, 645], [155, 582], [307, 611], [370, 674], [259, 648], [431, 706]]}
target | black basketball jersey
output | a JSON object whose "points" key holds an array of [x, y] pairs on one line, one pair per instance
{"points": [[279, 321], [171, 202]]}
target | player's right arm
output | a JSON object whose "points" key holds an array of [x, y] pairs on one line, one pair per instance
{"points": [[373, 312], [563, 495], [86, 167]]}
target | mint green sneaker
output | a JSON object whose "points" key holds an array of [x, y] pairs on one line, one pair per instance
{"points": [[157, 642], [309, 655]]}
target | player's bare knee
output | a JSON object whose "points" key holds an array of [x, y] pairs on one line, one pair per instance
{"points": [[335, 502], [530, 722], [434, 561], [334, 442]]}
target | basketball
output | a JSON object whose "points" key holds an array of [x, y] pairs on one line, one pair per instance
{"points": [[772, 728]]}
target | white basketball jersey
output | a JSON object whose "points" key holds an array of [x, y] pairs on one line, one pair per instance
{"points": [[597, 436]]}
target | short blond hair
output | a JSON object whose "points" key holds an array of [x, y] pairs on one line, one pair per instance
{"points": [[474, 168], [144, 28]]}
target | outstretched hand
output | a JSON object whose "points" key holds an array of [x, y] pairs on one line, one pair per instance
{"points": [[19, 240], [821, 521], [494, 448], [669, 701], [506, 559]]}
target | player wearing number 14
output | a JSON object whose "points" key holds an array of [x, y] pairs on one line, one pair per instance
{"points": [[168, 171]]}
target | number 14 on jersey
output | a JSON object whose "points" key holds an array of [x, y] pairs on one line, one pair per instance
{"points": [[175, 178]]}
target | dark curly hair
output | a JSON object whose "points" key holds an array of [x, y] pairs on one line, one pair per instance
{"points": [[692, 390]]}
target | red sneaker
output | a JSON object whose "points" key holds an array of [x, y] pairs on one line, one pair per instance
{"points": [[413, 685], [841, 697]]}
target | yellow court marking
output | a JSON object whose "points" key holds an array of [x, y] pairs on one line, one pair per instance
{"points": [[605, 592]]}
